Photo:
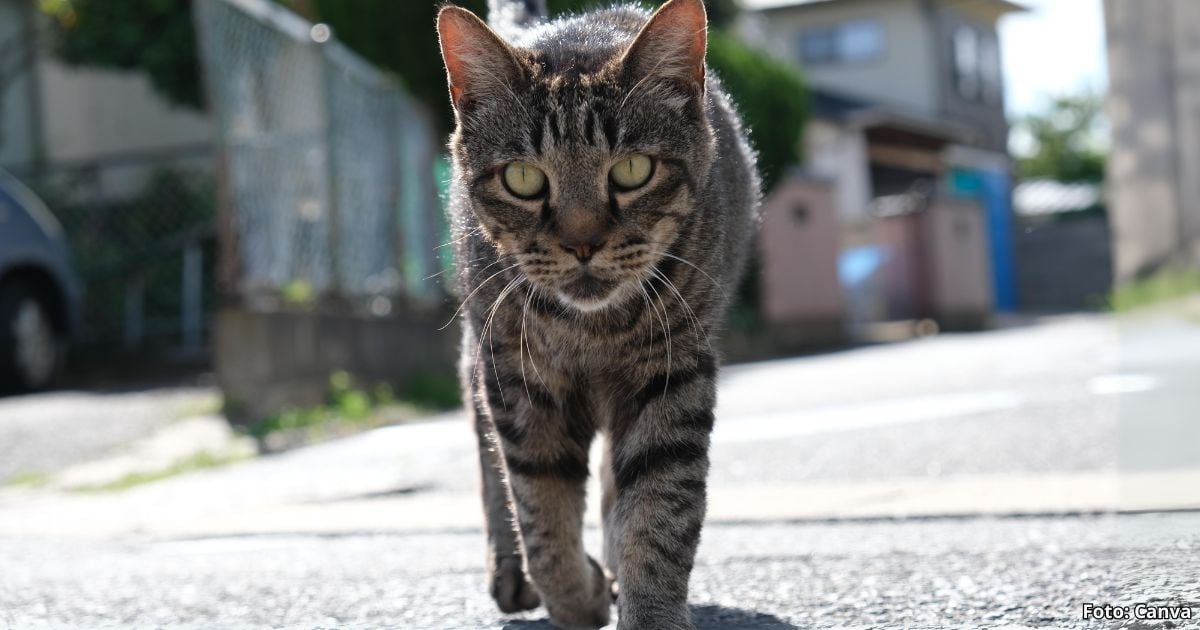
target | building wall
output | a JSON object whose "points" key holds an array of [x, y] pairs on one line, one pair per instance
{"points": [[901, 77], [983, 117], [839, 154], [1154, 109], [91, 113]]}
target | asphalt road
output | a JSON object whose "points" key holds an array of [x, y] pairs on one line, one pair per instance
{"points": [[944, 572], [1001, 448], [45, 432]]}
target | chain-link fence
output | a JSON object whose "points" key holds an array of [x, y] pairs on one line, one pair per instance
{"points": [[140, 227], [327, 164]]}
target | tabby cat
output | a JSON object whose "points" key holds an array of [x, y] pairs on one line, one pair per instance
{"points": [[602, 201]]}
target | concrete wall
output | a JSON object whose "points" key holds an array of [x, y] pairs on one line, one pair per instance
{"points": [[800, 242], [903, 76], [1154, 109], [936, 265], [267, 362], [961, 286]]}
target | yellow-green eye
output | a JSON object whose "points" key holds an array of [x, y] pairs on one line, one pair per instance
{"points": [[524, 180], [632, 172]]}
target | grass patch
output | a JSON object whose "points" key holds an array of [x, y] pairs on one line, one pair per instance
{"points": [[353, 408], [203, 460], [1164, 286], [205, 405], [28, 480]]}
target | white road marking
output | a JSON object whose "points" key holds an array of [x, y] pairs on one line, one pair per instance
{"points": [[1116, 384], [798, 422]]}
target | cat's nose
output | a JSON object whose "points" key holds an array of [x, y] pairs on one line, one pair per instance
{"points": [[583, 250]]}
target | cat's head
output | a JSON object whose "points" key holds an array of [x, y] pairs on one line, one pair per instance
{"points": [[580, 153]]}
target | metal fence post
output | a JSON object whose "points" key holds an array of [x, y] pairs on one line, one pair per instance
{"points": [[331, 172], [134, 327], [191, 315]]}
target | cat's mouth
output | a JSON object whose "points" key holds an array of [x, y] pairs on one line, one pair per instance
{"points": [[587, 292]]}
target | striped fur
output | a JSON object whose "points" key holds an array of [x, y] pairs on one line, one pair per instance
{"points": [[558, 349]]}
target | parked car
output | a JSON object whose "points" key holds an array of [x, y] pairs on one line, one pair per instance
{"points": [[39, 291]]}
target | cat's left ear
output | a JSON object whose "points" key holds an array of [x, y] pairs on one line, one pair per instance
{"points": [[478, 62], [671, 45]]}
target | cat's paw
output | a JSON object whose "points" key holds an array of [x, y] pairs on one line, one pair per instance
{"points": [[588, 610], [511, 589]]}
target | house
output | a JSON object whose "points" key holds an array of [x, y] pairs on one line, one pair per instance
{"points": [[936, 59], [1154, 109], [907, 105], [67, 121]]}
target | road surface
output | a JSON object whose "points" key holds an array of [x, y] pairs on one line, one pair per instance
{"points": [[992, 479]]}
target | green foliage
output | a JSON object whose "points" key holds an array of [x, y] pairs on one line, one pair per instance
{"points": [[772, 98], [154, 36], [350, 407], [400, 37], [1064, 138], [1164, 286], [432, 391], [200, 461]]}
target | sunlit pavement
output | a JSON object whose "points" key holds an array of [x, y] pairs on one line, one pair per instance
{"points": [[1001, 449]]}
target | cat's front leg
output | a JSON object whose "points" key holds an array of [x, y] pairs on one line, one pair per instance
{"points": [[659, 470], [508, 585], [546, 460]]}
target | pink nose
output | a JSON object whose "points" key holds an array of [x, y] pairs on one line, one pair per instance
{"points": [[582, 251]]}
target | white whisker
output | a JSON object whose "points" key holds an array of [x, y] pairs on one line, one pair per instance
{"points": [[472, 293]]}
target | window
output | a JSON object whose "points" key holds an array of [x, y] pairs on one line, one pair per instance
{"points": [[989, 70], [977, 75], [818, 47], [860, 41], [966, 62], [852, 42]]}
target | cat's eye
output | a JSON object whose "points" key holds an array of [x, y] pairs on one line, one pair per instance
{"points": [[524, 180], [632, 172]]}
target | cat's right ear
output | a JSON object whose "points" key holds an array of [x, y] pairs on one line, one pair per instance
{"points": [[478, 62]]}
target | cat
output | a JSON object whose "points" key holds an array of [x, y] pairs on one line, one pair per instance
{"points": [[602, 201]]}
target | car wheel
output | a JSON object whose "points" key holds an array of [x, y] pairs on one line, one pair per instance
{"points": [[31, 348]]}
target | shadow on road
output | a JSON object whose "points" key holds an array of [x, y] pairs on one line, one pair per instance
{"points": [[706, 618], [714, 617]]}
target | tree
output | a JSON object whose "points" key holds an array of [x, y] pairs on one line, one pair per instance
{"points": [[771, 97], [1064, 140], [154, 36]]}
